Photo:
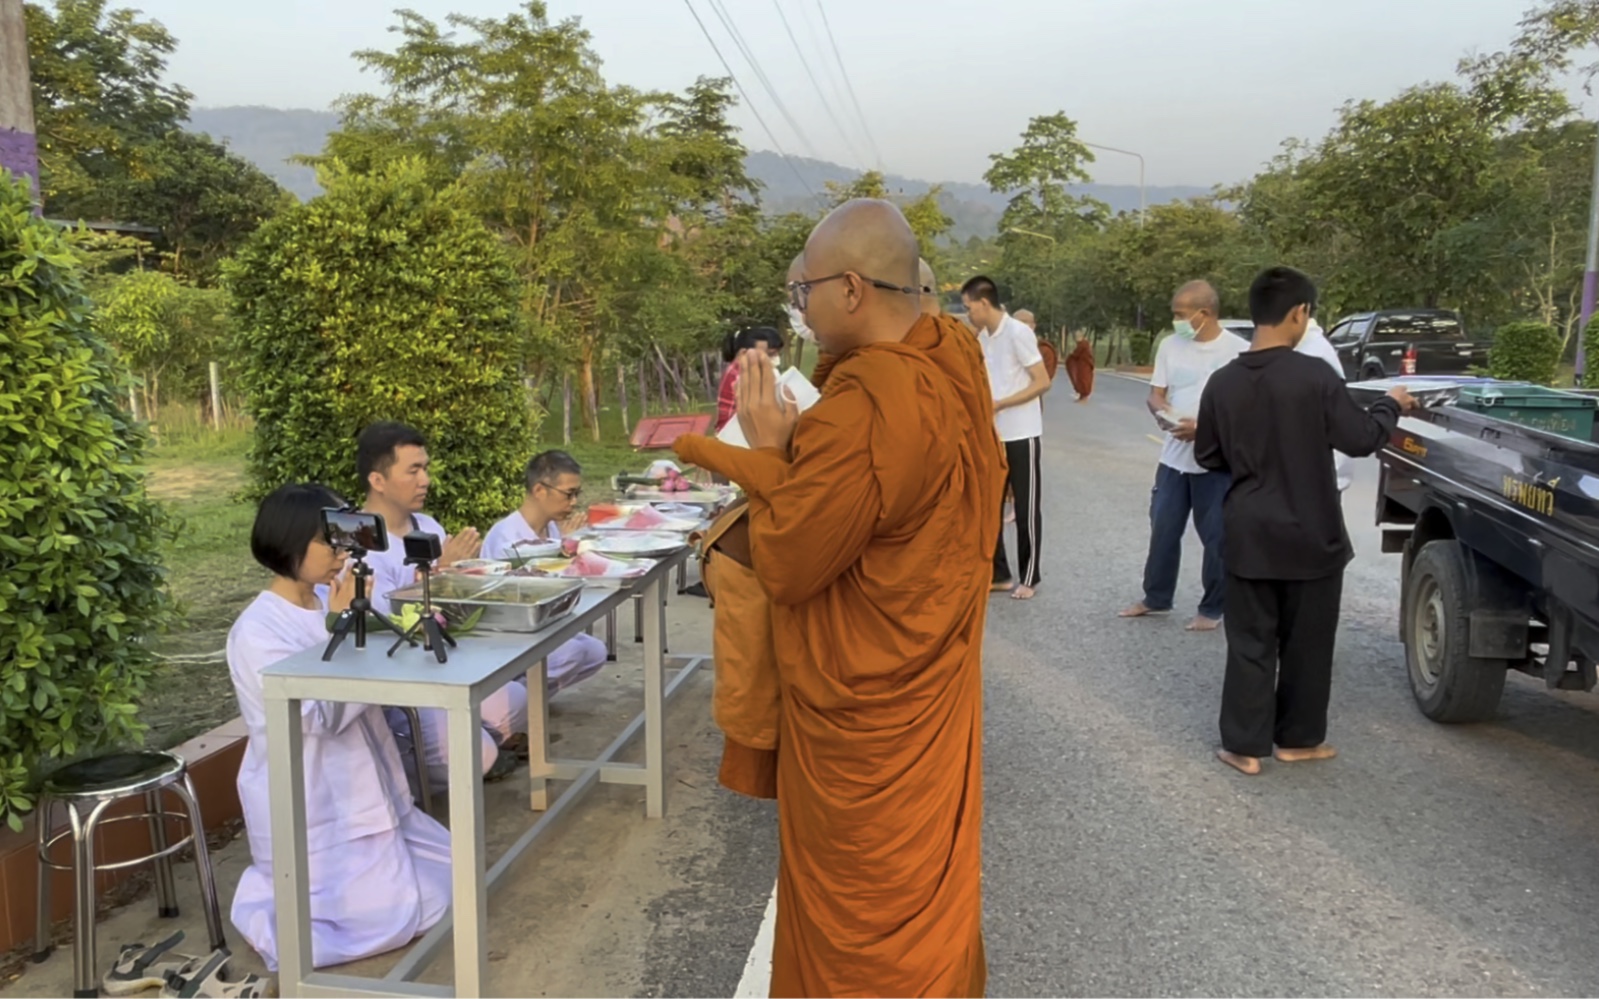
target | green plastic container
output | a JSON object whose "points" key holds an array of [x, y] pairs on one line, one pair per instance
{"points": [[1550, 410]]}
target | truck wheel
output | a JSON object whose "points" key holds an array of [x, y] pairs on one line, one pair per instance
{"points": [[1372, 373], [1449, 685]]}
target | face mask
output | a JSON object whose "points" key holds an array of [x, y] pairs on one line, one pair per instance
{"points": [[1184, 329], [796, 319]]}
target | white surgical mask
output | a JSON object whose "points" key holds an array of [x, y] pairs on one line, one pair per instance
{"points": [[796, 319], [1184, 329]]}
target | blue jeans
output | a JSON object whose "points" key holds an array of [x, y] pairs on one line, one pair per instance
{"points": [[1176, 496]]}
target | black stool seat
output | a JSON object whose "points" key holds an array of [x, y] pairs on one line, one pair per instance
{"points": [[117, 775]]}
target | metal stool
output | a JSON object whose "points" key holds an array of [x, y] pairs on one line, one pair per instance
{"points": [[86, 789]]}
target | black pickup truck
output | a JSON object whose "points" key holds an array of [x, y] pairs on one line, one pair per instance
{"points": [[1498, 525], [1402, 342]]}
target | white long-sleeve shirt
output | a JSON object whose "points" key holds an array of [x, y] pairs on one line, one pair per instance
{"points": [[1316, 344]]}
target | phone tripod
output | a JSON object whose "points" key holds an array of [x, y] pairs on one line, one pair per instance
{"points": [[353, 618], [434, 635]]}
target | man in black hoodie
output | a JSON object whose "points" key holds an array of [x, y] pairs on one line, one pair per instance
{"points": [[1272, 418]]}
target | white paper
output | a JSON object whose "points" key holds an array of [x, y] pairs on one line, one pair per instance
{"points": [[799, 389]]}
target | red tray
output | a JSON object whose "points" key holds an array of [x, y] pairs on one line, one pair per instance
{"points": [[657, 433]]}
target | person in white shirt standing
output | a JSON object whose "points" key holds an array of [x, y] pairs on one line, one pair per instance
{"points": [[1316, 344], [1017, 378], [1184, 363]]}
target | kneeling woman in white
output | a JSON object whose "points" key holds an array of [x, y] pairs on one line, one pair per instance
{"points": [[380, 868]]}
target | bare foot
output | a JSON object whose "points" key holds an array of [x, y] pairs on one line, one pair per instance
{"points": [[1321, 752], [1022, 593], [1202, 623], [1005, 587], [1010, 515], [1139, 610], [1243, 764]]}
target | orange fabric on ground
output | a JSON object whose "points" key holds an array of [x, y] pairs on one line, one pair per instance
{"points": [[874, 542], [1080, 368]]}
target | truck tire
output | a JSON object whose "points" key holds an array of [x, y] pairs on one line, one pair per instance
{"points": [[1372, 372], [1449, 685]]}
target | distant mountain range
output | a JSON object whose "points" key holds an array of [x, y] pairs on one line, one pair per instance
{"points": [[268, 137]]}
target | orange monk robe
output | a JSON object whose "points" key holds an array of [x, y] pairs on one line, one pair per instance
{"points": [[874, 542], [1080, 369]]}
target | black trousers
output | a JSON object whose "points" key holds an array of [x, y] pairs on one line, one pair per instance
{"points": [[1023, 458], [1280, 637]]}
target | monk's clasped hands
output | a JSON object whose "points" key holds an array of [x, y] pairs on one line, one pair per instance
{"points": [[766, 418]]}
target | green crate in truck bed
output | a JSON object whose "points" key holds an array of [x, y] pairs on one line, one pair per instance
{"points": [[1565, 413]]}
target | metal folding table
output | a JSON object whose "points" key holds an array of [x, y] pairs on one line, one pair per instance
{"points": [[480, 665]]}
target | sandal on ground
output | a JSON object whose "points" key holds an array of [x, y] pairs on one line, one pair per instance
{"points": [[504, 765], [202, 978], [139, 968]]}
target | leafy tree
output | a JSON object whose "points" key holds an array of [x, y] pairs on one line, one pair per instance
{"points": [[161, 328], [924, 213], [99, 101], [384, 299], [80, 570]]}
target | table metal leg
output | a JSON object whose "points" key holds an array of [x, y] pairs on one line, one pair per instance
{"points": [[538, 736], [471, 899], [291, 884], [654, 625], [610, 635]]}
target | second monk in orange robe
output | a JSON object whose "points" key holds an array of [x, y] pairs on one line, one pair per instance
{"points": [[872, 521]]}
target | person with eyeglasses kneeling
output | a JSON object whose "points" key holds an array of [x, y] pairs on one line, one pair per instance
{"points": [[380, 867], [554, 483]]}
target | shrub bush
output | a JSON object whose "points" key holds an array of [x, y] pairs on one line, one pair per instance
{"points": [[1590, 349], [1142, 344], [1525, 352], [383, 300], [80, 572]]}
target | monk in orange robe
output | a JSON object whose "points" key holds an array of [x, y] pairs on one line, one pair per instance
{"points": [[872, 520], [1080, 368]]}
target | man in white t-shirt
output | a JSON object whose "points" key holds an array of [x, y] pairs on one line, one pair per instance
{"points": [[1316, 344], [392, 461], [1184, 363], [1018, 379], [554, 482]]}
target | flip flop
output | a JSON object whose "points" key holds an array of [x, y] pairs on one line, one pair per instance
{"points": [[202, 979], [139, 968]]}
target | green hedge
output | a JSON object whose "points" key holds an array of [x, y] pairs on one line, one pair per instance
{"points": [[383, 300], [1590, 347], [80, 572], [1525, 352], [1142, 345]]}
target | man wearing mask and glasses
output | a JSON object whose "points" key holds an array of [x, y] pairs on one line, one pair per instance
{"points": [[1197, 348]]}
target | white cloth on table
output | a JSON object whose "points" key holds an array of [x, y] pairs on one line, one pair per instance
{"points": [[379, 869]]}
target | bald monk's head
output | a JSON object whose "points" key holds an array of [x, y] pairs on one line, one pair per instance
{"points": [[861, 267], [929, 283], [1025, 317]]}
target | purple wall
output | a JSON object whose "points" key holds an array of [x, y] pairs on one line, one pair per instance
{"points": [[19, 153]]}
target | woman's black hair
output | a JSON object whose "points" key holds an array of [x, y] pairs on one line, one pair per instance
{"points": [[287, 522], [730, 347], [752, 338]]}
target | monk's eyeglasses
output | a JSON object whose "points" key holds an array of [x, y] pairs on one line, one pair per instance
{"points": [[799, 292]]}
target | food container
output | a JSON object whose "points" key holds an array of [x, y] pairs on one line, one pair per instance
{"points": [[636, 544], [478, 567], [509, 603]]}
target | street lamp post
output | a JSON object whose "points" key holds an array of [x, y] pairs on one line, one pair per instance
{"points": [[1143, 201]]}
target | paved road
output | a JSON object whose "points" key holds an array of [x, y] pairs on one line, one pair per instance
{"points": [[1121, 858]]}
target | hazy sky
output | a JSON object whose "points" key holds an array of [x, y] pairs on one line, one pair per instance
{"points": [[1205, 91]]}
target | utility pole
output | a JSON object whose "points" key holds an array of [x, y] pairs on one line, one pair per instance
{"points": [[19, 150]]}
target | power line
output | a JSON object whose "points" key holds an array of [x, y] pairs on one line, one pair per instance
{"points": [[836, 93], [849, 86], [826, 105], [747, 102], [731, 27]]}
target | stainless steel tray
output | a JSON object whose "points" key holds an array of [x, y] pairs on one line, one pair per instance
{"points": [[509, 603]]}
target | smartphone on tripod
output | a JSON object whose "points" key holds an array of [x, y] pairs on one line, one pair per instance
{"points": [[356, 532]]}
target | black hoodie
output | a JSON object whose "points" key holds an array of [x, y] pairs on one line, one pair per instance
{"points": [[1272, 418]]}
